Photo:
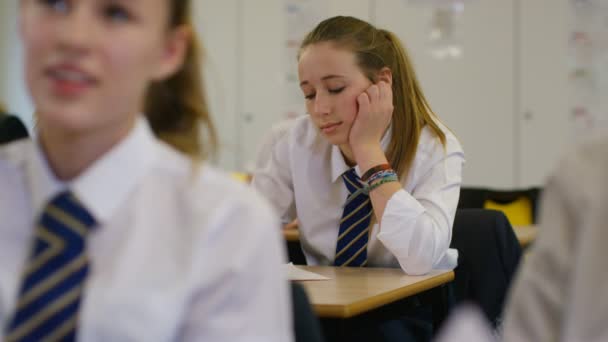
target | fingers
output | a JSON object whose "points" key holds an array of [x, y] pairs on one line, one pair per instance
{"points": [[374, 93], [364, 103], [386, 96], [385, 91], [380, 97]]}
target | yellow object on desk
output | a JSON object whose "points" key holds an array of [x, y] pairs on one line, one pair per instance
{"points": [[241, 176], [519, 212]]}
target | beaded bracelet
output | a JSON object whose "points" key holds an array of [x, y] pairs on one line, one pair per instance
{"points": [[373, 170], [377, 179], [388, 179], [381, 174]]}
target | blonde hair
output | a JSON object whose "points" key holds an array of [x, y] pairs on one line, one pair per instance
{"points": [[375, 49], [177, 107]]}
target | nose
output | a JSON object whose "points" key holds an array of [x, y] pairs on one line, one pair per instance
{"points": [[321, 104], [75, 32]]}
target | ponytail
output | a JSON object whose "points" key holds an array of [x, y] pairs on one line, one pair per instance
{"points": [[177, 107]]}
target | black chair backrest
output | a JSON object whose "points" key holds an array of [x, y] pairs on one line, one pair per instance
{"points": [[305, 322], [488, 255], [11, 128]]}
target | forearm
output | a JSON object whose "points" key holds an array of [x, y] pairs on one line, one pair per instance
{"points": [[367, 158]]}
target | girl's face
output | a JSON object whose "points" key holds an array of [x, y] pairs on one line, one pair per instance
{"points": [[331, 80], [88, 63]]}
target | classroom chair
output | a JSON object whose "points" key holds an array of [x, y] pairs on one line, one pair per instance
{"points": [[11, 129], [520, 206], [488, 255]]}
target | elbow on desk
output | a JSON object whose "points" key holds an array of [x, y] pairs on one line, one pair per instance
{"points": [[416, 266], [415, 248]]}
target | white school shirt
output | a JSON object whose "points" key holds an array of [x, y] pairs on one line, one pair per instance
{"points": [[178, 254], [299, 171]]}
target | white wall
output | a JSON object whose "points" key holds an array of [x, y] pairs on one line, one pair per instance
{"points": [[506, 99], [12, 87], [474, 94]]}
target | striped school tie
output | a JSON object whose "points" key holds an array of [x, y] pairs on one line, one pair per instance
{"points": [[351, 249], [52, 284]]}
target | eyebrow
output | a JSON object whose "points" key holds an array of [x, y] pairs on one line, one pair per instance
{"points": [[325, 78]]}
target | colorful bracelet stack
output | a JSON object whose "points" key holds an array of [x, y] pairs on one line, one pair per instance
{"points": [[380, 174], [369, 173], [373, 178], [381, 177]]}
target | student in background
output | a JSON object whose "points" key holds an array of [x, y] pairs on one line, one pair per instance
{"points": [[11, 128], [559, 294], [112, 228], [371, 174]]}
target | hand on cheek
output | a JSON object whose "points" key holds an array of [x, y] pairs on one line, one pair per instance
{"points": [[375, 108]]}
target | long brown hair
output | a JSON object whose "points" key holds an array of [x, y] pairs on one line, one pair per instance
{"points": [[177, 107], [375, 49]]}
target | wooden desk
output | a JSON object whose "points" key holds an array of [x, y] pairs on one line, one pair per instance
{"points": [[352, 291], [525, 234]]}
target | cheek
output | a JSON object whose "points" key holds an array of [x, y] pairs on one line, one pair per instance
{"points": [[119, 59], [348, 107], [130, 68], [37, 47], [129, 51], [36, 39]]}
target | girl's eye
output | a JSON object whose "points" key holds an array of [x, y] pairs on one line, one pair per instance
{"points": [[61, 6], [336, 91], [309, 97], [116, 13]]}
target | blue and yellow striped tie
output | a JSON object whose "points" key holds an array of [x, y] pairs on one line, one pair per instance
{"points": [[53, 281], [351, 249]]}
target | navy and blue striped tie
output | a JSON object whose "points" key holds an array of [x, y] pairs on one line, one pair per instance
{"points": [[351, 249], [53, 281]]}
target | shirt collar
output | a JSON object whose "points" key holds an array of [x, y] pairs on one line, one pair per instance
{"points": [[104, 186], [338, 164]]}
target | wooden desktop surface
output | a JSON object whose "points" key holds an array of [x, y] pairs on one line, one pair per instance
{"points": [[352, 291]]}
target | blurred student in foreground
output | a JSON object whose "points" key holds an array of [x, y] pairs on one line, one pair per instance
{"points": [[113, 228], [560, 293]]}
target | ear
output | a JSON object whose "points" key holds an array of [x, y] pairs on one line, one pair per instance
{"points": [[385, 75], [173, 54]]}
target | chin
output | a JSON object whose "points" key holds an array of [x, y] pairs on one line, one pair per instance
{"points": [[336, 140], [63, 119]]}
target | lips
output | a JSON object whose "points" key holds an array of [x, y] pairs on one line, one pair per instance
{"points": [[69, 80], [330, 127]]}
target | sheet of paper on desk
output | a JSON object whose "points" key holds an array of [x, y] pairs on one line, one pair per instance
{"points": [[296, 273]]}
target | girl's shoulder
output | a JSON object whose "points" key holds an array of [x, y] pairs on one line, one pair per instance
{"points": [[14, 154], [208, 199], [429, 143]]}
